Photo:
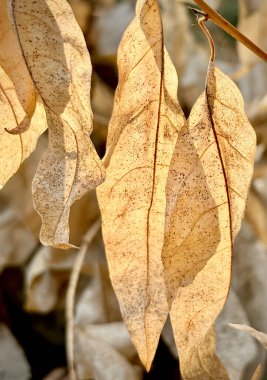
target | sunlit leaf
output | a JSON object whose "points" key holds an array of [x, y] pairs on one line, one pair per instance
{"points": [[59, 64], [206, 196], [142, 134]]}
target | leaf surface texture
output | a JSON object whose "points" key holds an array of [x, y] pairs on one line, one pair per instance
{"points": [[207, 191], [58, 62], [142, 134]]}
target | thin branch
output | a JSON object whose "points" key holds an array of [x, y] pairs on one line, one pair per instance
{"points": [[229, 28], [70, 298]]}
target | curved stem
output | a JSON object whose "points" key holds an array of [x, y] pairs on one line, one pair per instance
{"points": [[229, 28], [208, 35]]}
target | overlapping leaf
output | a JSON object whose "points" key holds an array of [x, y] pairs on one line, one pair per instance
{"points": [[16, 148], [20, 109], [13, 63], [208, 182], [206, 197], [57, 59], [142, 135]]}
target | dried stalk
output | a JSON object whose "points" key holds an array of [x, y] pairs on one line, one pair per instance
{"points": [[70, 298]]}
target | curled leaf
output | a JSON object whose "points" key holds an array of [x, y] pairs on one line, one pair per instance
{"points": [[59, 64], [15, 149], [142, 134], [13, 63]]}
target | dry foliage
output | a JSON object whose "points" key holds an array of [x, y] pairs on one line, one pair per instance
{"points": [[172, 190]]}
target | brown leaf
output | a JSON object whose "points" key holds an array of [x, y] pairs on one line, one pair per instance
{"points": [[206, 195], [260, 336], [59, 64], [15, 149], [142, 134]]}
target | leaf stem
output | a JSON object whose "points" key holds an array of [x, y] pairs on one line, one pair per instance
{"points": [[230, 29], [205, 30]]}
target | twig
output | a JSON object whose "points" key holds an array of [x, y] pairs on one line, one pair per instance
{"points": [[70, 298], [229, 28]]}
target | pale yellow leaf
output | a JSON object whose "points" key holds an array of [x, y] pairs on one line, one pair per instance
{"points": [[260, 336], [58, 61], [204, 364], [207, 188], [142, 134], [13, 62], [16, 148], [206, 196], [195, 309]]}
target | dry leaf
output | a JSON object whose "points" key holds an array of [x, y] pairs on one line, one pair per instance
{"points": [[142, 134], [195, 309], [204, 364], [59, 64], [13, 63], [16, 148], [206, 195], [260, 336], [207, 188]]}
